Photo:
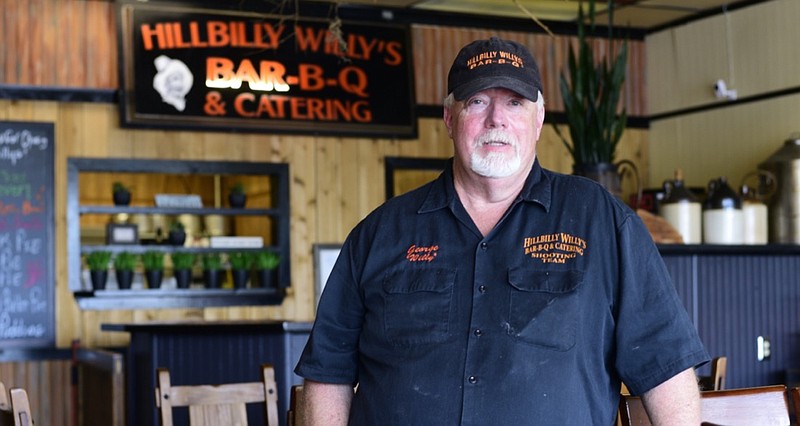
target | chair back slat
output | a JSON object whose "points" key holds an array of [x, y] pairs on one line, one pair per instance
{"points": [[223, 404]]}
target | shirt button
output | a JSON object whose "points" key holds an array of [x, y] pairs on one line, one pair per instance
{"points": [[472, 379], [478, 332], [484, 246], [482, 289]]}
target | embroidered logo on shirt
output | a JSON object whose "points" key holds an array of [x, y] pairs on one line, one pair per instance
{"points": [[417, 253], [554, 248]]}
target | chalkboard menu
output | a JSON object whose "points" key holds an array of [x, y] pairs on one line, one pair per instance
{"points": [[27, 280]]}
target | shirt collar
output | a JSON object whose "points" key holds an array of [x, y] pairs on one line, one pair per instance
{"points": [[537, 189]]}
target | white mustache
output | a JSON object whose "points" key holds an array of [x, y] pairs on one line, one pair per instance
{"points": [[496, 136]]}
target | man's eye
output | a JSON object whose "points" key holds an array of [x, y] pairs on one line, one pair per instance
{"points": [[516, 102], [475, 101]]}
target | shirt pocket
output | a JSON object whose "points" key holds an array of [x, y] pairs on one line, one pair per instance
{"points": [[544, 307], [417, 305]]}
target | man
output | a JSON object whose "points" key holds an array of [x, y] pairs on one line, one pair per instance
{"points": [[500, 293]]}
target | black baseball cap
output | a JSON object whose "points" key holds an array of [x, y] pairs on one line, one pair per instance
{"points": [[485, 64]]}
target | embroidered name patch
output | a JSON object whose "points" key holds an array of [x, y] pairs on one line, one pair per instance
{"points": [[417, 253], [554, 248]]}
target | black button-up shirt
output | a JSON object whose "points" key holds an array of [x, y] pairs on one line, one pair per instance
{"points": [[536, 323]]}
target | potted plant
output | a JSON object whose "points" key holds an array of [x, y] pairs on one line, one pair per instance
{"points": [[241, 262], [265, 264], [182, 264], [124, 263], [212, 265], [97, 261], [237, 197], [121, 194], [591, 93], [177, 233], [153, 262]]}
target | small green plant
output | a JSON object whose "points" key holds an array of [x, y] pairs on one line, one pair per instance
{"points": [[124, 261], [212, 261], [237, 188], [182, 260], [153, 260], [266, 260], [176, 226], [120, 187], [98, 260], [240, 260]]}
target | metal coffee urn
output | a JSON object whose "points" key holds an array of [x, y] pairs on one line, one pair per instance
{"points": [[784, 207]]}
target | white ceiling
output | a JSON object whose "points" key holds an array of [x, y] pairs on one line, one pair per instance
{"points": [[643, 14]]}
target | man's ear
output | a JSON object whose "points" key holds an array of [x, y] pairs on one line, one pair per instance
{"points": [[447, 122], [539, 121]]}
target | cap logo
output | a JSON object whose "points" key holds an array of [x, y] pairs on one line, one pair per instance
{"points": [[499, 57]]}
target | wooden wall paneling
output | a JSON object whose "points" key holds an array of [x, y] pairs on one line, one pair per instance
{"points": [[48, 386], [435, 48], [328, 162], [352, 168], [723, 142], [62, 54], [14, 23], [78, 46], [304, 167], [753, 49], [370, 182], [101, 60], [764, 46]]}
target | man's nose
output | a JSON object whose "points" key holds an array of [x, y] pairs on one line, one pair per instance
{"points": [[495, 116]]}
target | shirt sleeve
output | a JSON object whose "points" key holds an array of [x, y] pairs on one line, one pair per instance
{"points": [[331, 353], [655, 337]]}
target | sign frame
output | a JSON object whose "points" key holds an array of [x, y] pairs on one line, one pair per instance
{"points": [[294, 83]]}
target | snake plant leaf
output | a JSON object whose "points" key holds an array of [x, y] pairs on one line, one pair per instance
{"points": [[591, 92]]}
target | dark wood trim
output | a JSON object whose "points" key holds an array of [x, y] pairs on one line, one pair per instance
{"points": [[60, 94]]}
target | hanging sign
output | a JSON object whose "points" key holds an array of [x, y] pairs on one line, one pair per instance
{"points": [[230, 70]]}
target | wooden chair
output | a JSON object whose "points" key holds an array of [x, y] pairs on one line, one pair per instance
{"points": [[15, 411], [224, 404], [764, 406], [795, 397], [716, 380], [295, 401]]}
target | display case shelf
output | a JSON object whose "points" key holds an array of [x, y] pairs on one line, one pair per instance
{"points": [[273, 206], [175, 298]]}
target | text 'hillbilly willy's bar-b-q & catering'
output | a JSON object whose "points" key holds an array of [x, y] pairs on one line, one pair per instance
{"points": [[224, 70]]}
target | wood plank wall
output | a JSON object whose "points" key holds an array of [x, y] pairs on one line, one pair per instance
{"points": [[48, 384], [754, 49], [334, 181]]}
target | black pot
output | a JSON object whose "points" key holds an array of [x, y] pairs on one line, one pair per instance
{"points": [[177, 238], [267, 278], [183, 277], [124, 279], [122, 198], [609, 175], [212, 278], [237, 199], [153, 278], [240, 277], [99, 279]]}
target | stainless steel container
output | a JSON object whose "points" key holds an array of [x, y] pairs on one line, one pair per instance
{"points": [[784, 207]]}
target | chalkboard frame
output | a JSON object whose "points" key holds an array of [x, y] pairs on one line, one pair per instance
{"points": [[43, 164]]}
